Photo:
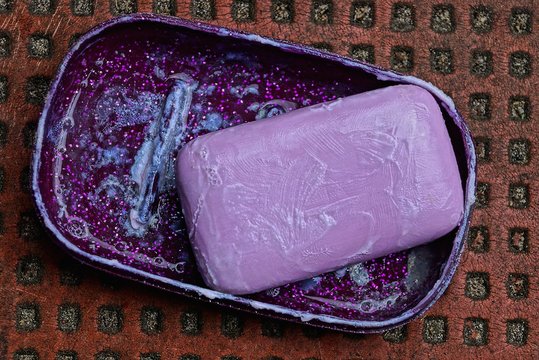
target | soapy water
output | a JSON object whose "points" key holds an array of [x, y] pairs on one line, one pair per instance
{"points": [[152, 171], [116, 108], [367, 306], [114, 180], [153, 162]]}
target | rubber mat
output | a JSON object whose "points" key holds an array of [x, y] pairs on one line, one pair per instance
{"points": [[484, 54]]}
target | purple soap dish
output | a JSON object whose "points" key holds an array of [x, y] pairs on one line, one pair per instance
{"points": [[104, 153]]}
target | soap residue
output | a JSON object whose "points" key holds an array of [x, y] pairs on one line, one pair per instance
{"points": [[155, 157]]}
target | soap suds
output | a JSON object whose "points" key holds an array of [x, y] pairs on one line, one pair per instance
{"points": [[273, 108], [213, 122], [155, 156], [359, 274]]}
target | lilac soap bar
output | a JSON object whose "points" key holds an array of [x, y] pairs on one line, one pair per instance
{"points": [[286, 198]]}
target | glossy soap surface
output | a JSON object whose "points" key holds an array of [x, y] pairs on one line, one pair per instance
{"points": [[103, 121]]}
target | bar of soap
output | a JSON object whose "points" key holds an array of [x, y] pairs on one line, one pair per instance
{"points": [[290, 197]]}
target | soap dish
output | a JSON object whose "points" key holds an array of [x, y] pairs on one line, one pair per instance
{"points": [[90, 167]]}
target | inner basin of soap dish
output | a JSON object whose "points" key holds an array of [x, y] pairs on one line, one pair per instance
{"points": [[103, 175]]}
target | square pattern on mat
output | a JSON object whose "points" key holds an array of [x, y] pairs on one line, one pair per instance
{"points": [[482, 53]]}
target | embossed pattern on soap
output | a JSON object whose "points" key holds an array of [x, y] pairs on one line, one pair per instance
{"points": [[95, 145]]}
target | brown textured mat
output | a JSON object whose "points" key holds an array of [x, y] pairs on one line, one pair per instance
{"points": [[482, 53]]}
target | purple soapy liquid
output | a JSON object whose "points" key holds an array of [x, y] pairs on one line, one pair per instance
{"points": [[113, 97]]}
